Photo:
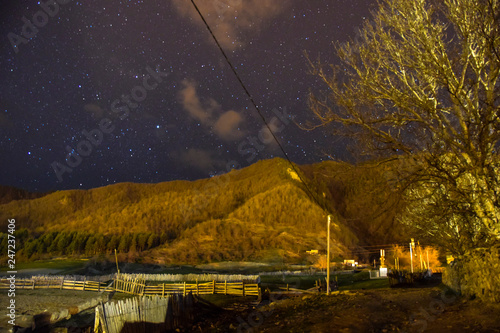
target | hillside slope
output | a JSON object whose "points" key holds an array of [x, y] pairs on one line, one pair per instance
{"points": [[259, 212], [9, 193]]}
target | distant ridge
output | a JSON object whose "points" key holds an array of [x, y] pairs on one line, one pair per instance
{"points": [[260, 212], [9, 193]]}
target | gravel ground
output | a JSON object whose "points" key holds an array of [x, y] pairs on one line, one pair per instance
{"points": [[31, 302]]}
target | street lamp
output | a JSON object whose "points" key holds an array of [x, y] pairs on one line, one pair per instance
{"points": [[328, 259], [412, 246]]}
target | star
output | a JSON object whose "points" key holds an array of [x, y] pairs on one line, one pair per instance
{"points": [[182, 105]]}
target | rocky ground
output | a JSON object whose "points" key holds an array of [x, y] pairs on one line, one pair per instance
{"points": [[424, 309], [35, 302], [431, 309]]}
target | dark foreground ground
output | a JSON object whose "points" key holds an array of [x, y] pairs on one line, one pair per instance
{"points": [[430, 309], [423, 309]]}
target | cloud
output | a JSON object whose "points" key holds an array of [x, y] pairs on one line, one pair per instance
{"points": [[95, 110], [191, 102], [230, 20], [225, 124], [266, 137], [200, 159]]}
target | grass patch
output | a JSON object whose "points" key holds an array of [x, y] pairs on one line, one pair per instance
{"points": [[366, 284], [64, 266], [274, 282], [155, 269], [359, 280]]}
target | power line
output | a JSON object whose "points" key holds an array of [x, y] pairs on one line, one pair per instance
{"points": [[255, 104], [379, 245]]}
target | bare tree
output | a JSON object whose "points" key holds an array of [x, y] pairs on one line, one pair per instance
{"points": [[422, 83]]}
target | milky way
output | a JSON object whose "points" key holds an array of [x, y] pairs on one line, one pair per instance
{"points": [[98, 92]]}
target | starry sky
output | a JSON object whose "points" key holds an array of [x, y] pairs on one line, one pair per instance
{"points": [[98, 92]]}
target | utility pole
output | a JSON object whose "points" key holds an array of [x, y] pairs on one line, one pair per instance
{"points": [[328, 259], [412, 244], [117, 268], [428, 266], [420, 256]]}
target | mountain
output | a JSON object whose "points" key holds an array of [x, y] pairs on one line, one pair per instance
{"points": [[261, 212], [9, 193]]}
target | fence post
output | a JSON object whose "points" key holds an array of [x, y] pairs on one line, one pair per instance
{"points": [[184, 288], [97, 324], [225, 287], [243, 287], [163, 291], [33, 285], [214, 287], [197, 288], [84, 279], [62, 284]]}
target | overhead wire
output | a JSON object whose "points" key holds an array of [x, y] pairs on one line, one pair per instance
{"points": [[380, 245], [247, 92]]}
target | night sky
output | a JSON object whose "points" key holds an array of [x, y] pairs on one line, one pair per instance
{"points": [[138, 91]]}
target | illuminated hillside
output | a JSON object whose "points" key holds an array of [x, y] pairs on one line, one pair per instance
{"points": [[258, 212]]}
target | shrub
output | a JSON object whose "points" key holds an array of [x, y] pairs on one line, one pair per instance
{"points": [[477, 274]]}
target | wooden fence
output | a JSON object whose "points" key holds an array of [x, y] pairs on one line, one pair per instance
{"points": [[76, 277], [146, 314], [206, 288], [55, 284], [126, 285], [192, 277], [139, 287]]}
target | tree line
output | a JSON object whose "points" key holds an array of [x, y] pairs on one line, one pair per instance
{"points": [[76, 243]]}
